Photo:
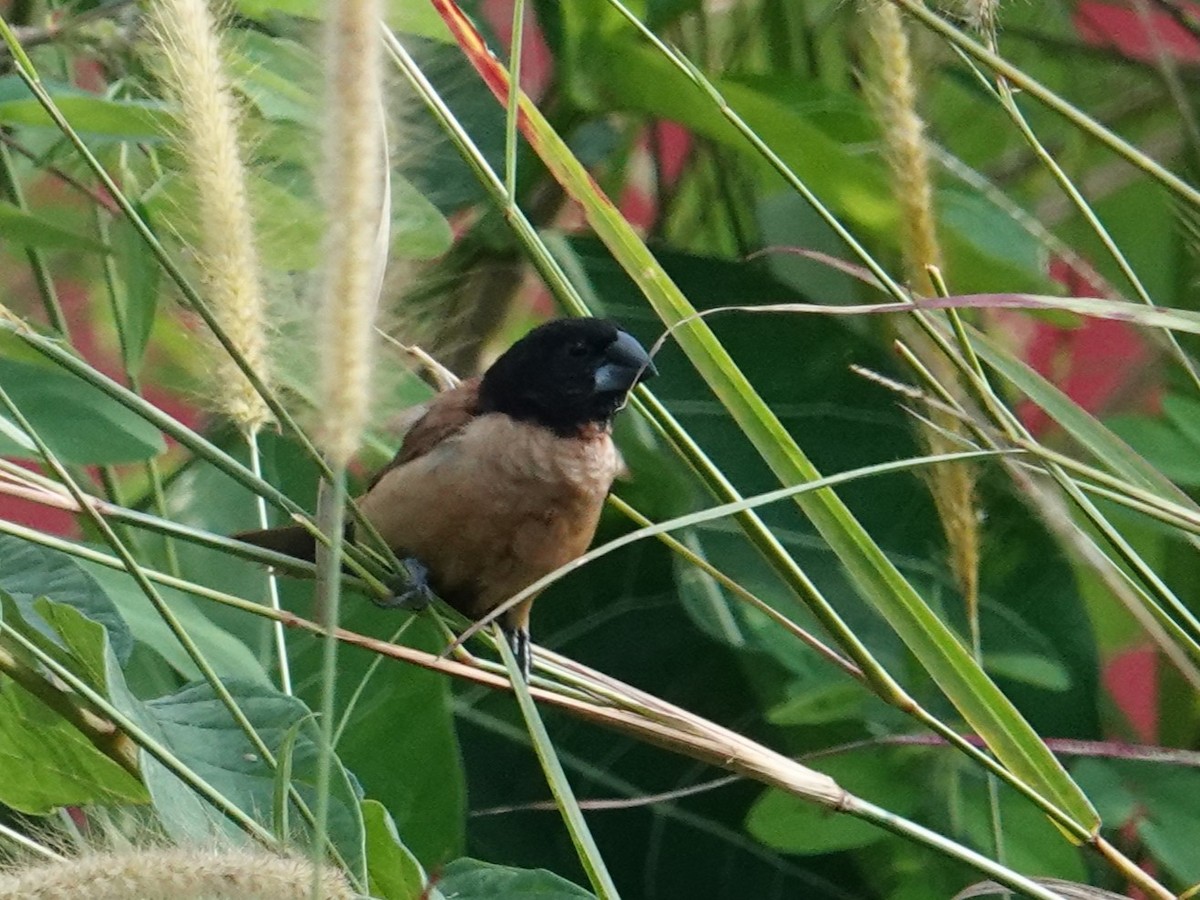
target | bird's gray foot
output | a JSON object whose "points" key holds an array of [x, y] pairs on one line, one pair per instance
{"points": [[409, 586]]}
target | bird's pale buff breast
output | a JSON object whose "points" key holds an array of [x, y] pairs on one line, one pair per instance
{"points": [[522, 503]]}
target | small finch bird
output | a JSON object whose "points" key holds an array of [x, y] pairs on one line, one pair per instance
{"points": [[503, 478]]}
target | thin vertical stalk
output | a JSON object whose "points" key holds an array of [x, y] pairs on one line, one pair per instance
{"points": [[357, 209], [260, 505], [331, 519], [511, 135], [556, 778]]}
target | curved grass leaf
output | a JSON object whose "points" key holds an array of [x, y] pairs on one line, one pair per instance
{"points": [[939, 650]]}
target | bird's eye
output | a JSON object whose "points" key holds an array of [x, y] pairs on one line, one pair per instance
{"points": [[578, 348]]}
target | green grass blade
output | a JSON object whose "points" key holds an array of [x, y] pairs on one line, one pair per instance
{"points": [[940, 652], [1106, 447], [560, 787], [1000, 66]]}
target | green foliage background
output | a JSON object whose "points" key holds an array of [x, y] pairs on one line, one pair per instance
{"points": [[436, 787]]}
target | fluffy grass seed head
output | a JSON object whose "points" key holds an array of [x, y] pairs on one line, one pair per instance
{"points": [[354, 177], [171, 873], [207, 134], [893, 95]]}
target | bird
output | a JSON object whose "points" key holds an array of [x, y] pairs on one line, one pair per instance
{"points": [[502, 479]]}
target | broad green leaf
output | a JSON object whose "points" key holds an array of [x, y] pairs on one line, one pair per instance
{"points": [[288, 225], [1158, 442], [1162, 444], [31, 571], [195, 724], [130, 120], [782, 820], [419, 231], [88, 642], [938, 649], [1184, 412], [1171, 825], [279, 76], [1138, 217], [833, 702], [227, 654], [79, 423], [470, 879], [990, 230], [28, 230], [1161, 800], [394, 872], [47, 763], [1103, 784]]}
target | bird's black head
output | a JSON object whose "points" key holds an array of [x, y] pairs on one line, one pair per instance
{"points": [[565, 374]]}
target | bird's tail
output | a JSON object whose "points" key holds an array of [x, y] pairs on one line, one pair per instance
{"points": [[290, 540]]}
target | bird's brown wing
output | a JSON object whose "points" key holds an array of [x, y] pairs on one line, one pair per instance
{"points": [[446, 414]]}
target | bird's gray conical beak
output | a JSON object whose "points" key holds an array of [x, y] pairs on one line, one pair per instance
{"points": [[626, 364]]}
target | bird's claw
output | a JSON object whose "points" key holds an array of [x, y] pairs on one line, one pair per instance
{"points": [[518, 639], [409, 586]]}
